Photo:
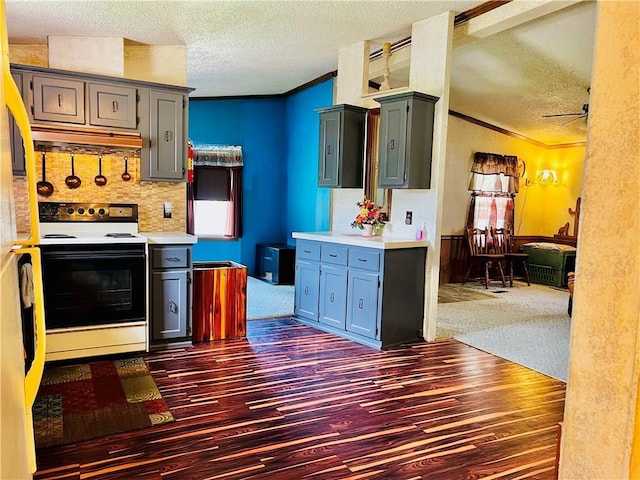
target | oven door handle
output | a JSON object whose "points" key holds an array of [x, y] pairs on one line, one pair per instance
{"points": [[98, 255]]}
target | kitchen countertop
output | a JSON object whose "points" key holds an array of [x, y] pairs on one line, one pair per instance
{"points": [[382, 242], [169, 238]]}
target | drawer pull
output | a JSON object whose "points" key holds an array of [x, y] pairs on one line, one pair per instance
{"points": [[361, 304], [333, 255], [331, 297], [114, 106], [172, 259], [306, 290], [307, 251], [363, 260]]}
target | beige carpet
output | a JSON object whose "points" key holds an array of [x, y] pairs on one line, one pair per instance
{"points": [[527, 325], [452, 293]]}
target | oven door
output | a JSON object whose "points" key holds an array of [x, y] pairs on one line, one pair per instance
{"points": [[88, 285]]}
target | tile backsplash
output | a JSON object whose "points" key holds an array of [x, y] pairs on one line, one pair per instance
{"points": [[149, 196]]}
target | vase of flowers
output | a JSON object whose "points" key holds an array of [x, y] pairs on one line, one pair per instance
{"points": [[369, 218]]}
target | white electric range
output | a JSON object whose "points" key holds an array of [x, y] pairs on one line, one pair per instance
{"points": [[94, 266]]}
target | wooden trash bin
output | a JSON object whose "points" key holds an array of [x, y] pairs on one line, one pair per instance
{"points": [[219, 301]]}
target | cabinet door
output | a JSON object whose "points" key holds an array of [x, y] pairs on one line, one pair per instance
{"points": [[307, 289], [112, 106], [328, 175], [17, 147], [333, 296], [166, 137], [362, 303], [169, 304], [58, 99], [393, 144]]}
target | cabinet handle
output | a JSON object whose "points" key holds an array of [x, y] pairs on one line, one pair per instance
{"points": [[167, 135], [114, 106], [173, 307], [328, 149], [392, 144], [172, 259], [333, 255], [331, 297], [59, 100], [361, 304], [362, 260], [307, 251], [306, 290]]}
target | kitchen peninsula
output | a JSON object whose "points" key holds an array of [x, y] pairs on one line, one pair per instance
{"points": [[367, 289]]}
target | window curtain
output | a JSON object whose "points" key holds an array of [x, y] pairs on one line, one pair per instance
{"points": [[217, 175], [494, 184]]}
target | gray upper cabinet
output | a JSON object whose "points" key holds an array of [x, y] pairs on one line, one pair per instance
{"points": [[58, 99], [341, 151], [15, 137], [405, 140], [165, 158], [158, 112], [112, 106]]}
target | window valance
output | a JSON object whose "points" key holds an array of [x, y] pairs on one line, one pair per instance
{"points": [[217, 155], [492, 172]]}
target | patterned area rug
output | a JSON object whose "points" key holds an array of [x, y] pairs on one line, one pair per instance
{"points": [[81, 402], [454, 293]]}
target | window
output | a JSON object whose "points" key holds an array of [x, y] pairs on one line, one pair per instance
{"points": [[494, 185], [214, 199]]}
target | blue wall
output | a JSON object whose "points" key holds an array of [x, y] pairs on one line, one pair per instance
{"points": [[308, 207], [279, 138]]}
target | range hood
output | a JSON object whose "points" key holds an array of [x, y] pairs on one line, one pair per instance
{"points": [[65, 138]]}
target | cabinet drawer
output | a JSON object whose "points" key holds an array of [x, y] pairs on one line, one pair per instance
{"points": [[170, 257], [335, 254], [364, 259], [308, 250]]}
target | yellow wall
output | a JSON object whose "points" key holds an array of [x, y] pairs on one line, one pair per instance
{"points": [[148, 195], [539, 209]]}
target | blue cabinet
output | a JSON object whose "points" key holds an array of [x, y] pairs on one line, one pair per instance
{"points": [[333, 295], [307, 287], [363, 303], [369, 295]]}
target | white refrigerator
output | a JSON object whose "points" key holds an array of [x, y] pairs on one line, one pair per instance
{"points": [[17, 389]]}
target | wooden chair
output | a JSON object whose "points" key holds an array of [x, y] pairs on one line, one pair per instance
{"points": [[503, 243], [480, 253]]}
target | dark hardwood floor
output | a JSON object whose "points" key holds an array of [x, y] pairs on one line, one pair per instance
{"points": [[291, 402]]}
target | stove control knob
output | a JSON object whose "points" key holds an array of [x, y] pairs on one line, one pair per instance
{"points": [[91, 211], [81, 210], [101, 211], [70, 210]]}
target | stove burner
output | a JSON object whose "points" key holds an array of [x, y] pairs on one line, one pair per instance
{"points": [[120, 235], [59, 235]]}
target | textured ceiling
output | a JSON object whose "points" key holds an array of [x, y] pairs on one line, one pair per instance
{"points": [[268, 47]]}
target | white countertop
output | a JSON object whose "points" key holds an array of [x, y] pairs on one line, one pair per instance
{"points": [[382, 242], [167, 238]]}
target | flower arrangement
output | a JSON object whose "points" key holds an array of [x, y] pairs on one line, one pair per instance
{"points": [[370, 214]]}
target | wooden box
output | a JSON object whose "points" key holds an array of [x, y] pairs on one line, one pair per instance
{"points": [[219, 301]]}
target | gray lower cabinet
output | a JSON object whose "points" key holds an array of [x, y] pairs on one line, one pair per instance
{"points": [[170, 302], [369, 295]]}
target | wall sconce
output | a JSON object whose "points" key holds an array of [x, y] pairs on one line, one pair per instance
{"points": [[546, 177]]}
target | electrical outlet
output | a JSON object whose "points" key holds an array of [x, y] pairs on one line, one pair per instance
{"points": [[167, 208], [408, 217]]}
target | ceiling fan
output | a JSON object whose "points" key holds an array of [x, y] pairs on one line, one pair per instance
{"points": [[583, 114]]}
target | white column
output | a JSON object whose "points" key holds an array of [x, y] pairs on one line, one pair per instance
{"points": [[431, 45]]}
